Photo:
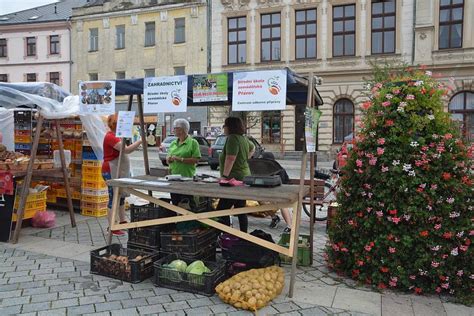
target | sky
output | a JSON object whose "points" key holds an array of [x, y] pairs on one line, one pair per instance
{"points": [[8, 6]]}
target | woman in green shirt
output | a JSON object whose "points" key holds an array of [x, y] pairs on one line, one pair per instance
{"points": [[183, 155], [233, 164]]}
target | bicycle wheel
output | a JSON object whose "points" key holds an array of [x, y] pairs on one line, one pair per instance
{"points": [[321, 211]]}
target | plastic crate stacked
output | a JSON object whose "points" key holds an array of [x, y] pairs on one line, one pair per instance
{"points": [[95, 196], [23, 139], [35, 202]]}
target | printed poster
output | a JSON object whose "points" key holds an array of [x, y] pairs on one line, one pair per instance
{"points": [[209, 88], [312, 116], [165, 94], [97, 97], [125, 124], [259, 90]]}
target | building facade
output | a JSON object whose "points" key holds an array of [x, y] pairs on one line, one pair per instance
{"points": [[35, 44], [338, 40], [141, 38]]}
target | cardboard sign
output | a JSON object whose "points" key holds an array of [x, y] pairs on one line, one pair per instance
{"points": [[165, 94], [209, 88], [97, 97], [125, 124], [259, 90]]}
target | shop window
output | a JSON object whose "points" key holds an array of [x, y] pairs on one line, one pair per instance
{"points": [[270, 35], [461, 107], [93, 40], [343, 30], [237, 40], [31, 77], [305, 34], [3, 78], [120, 37], [149, 72], [343, 124], [179, 30], [93, 76], [54, 44], [450, 23], [271, 127], [120, 75], [149, 34], [3, 47], [179, 71], [383, 26], [54, 78], [31, 46]]}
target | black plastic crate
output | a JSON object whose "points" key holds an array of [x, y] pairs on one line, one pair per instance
{"points": [[207, 254], [22, 116], [134, 272], [146, 236], [142, 247], [150, 211], [201, 284], [191, 242]]}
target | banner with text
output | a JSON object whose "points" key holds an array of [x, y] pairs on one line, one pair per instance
{"points": [[97, 97], [165, 94], [209, 88], [259, 90], [312, 116]]}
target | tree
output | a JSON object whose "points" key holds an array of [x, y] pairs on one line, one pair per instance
{"points": [[406, 205]]}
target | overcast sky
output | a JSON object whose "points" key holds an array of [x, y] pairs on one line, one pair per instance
{"points": [[8, 6]]}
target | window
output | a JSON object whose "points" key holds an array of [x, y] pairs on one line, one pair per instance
{"points": [[306, 34], [120, 75], [270, 36], [93, 40], [450, 23], [31, 46], [383, 27], [149, 34], [30, 77], [343, 120], [149, 73], [54, 44], [179, 30], [54, 78], [93, 76], [120, 37], [343, 30], [3, 47], [237, 40], [3, 78], [179, 71], [271, 127], [461, 108]]}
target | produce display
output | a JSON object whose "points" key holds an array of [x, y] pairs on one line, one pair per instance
{"points": [[196, 268], [252, 289]]}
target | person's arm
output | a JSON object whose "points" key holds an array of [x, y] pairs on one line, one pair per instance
{"points": [[228, 164], [232, 149], [251, 149], [128, 149]]}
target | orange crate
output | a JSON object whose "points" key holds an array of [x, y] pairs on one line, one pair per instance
{"points": [[30, 205], [29, 213], [76, 195], [22, 139], [93, 205], [95, 198], [94, 213], [33, 197], [95, 192], [92, 163], [87, 184], [92, 177], [92, 170], [51, 199], [22, 133]]}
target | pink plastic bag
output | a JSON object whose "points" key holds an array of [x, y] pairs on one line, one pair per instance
{"points": [[46, 219]]}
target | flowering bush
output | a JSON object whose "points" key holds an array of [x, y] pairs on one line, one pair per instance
{"points": [[406, 205]]}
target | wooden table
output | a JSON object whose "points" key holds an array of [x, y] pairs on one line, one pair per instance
{"points": [[283, 196]]}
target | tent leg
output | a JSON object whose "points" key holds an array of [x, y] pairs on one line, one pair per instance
{"points": [[312, 206], [143, 135], [65, 174], [27, 181]]}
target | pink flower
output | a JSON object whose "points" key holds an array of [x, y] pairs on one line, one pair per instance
{"points": [[380, 151], [379, 213], [460, 273], [384, 169], [445, 286], [434, 186], [392, 283], [463, 248], [359, 163], [437, 226], [369, 209], [392, 249], [344, 249], [386, 103], [396, 91], [434, 264], [438, 290], [412, 277], [455, 252], [381, 141], [450, 200], [410, 97], [396, 220], [424, 148], [373, 161], [350, 222], [448, 136], [367, 248]]}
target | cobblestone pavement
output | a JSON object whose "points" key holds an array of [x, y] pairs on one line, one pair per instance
{"points": [[47, 273]]}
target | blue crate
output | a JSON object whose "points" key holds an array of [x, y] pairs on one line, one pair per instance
{"points": [[22, 146], [86, 155]]}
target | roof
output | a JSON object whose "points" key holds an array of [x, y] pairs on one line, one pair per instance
{"points": [[58, 11]]}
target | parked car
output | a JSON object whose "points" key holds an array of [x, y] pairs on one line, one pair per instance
{"points": [[203, 148], [216, 149]]}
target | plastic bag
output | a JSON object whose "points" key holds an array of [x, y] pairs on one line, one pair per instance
{"points": [[44, 219]]}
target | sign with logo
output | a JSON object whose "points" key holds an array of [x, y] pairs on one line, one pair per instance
{"points": [[259, 90], [165, 94], [312, 116], [97, 97], [209, 88], [125, 124]]}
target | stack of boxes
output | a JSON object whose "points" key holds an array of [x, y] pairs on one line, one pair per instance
{"points": [[95, 197], [35, 202], [23, 139]]}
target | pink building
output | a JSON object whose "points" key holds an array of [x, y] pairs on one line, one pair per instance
{"points": [[35, 44]]}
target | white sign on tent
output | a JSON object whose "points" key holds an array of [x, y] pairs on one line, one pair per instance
{"points": [[165, 94], [259, 90], [97, 97]]}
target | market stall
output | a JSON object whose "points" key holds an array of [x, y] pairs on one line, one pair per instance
{"points": [[298, 91]]}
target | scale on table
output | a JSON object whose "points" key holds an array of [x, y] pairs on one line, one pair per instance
{"points": [[263, 181]]}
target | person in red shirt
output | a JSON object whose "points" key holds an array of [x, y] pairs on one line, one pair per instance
{"points": [[112, 146]]}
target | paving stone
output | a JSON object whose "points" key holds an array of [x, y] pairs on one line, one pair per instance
{"points": [[458, 310], [240, 313], [42, 277], [293, 313], [134, 302], [117, 296], [53, 312], [122, 288], [393, 304], [314, 311], [61, 288], [199, 302], [20, 279], [151, 309], [96, 291], [35, 307], [158, 299], [357, 300], [11, 310], [162, 291], [69, 274], [41, 271], [44, 297], [29, 285], [182, 296], [65, 303], [98, 314], [9, 287], [7, 269], [424, 306], [6, 294], [16, 274], [285, 307], [142, 293], [35, 291], [55, 282], [198, 311], [108, 306], [143, 286], [71, 294], [222, 308], [169, 307], [79, 310], [125, 312], [50, 265], [10, 301], [91, 299]]}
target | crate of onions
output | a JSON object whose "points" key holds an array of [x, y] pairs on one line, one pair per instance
{"points": [[128, 265]]}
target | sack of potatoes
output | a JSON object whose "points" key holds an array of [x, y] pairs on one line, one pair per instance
{"points": [[252, 289]]}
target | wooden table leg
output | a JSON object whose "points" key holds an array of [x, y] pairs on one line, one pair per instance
{"points": [[115, 206]]}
